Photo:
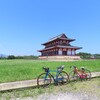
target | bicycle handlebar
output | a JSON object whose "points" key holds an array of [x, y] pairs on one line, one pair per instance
{"points": [[73, 67], [60, 68]]}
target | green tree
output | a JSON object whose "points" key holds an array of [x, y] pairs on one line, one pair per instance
{"points": [[11, 57], [84, 55], [96, 56]]}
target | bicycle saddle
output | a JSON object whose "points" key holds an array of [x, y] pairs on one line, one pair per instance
{"points": [[46, 69]]}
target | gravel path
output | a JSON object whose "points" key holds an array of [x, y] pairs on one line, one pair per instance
{"points": [[63, 96], [68, 96]]}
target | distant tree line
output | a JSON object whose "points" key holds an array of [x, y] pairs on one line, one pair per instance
{"points": [[84, 55], [19, 57]]}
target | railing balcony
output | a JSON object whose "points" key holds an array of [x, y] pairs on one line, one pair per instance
{"points": [[62, 44]]}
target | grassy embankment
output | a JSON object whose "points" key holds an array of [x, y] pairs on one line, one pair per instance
{"points": [[14, 70], [84, 88]]}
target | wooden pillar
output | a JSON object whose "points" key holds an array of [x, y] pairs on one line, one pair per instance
{"points": [[71, 52], [75, 52], [66, 51]]}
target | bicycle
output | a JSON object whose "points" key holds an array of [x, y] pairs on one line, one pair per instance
{"points": [[45, 79], [82, 74]]}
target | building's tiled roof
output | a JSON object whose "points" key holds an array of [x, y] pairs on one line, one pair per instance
{"points": [[61, 36], [59, 46]]}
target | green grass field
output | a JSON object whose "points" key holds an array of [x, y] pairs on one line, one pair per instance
{"points": [[15, 70]]}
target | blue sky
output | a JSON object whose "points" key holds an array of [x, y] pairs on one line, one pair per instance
{"points": [[26, 24]]}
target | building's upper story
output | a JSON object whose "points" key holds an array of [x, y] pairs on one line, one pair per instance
{"points": [[61, 40]]}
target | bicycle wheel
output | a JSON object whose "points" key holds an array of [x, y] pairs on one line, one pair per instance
{"points": [[87, 74], [63, 78], [73, 76], [42, 81]]}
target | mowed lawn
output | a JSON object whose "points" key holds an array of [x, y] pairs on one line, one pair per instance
{"points": [[16, 70]]}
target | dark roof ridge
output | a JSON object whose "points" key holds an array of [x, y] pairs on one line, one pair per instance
{"points": [[57, 36]]}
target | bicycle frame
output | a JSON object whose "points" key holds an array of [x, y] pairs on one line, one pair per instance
{"points": [[49, 73]]}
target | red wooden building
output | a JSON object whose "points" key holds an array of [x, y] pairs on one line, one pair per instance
{"points": [[59, 46]]}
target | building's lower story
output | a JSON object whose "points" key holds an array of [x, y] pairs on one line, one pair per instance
{"points": [[54, 52]]}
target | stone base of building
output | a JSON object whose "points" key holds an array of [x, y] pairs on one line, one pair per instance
{"points": [[59, 58]]}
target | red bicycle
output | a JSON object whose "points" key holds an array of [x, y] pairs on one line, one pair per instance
{"points": [[82, 74]]}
